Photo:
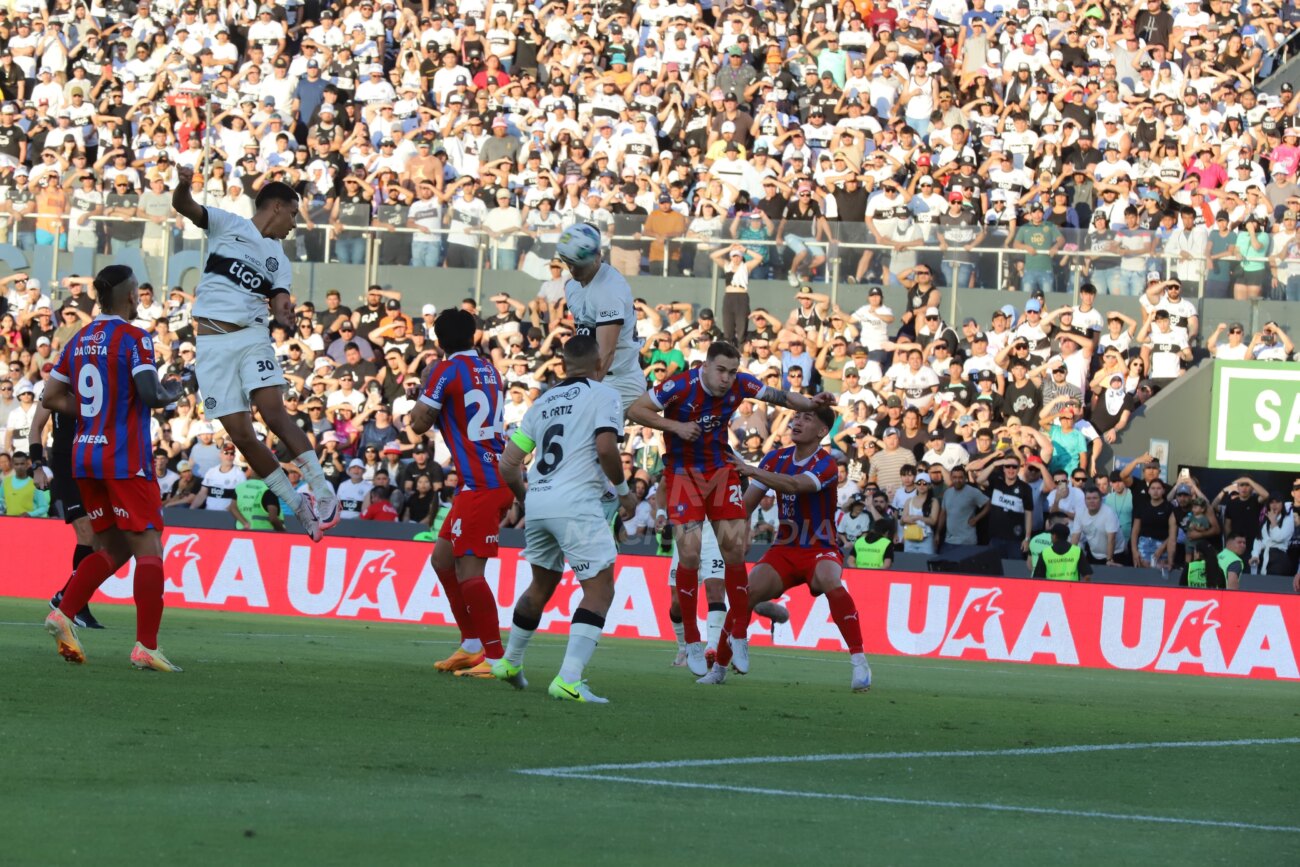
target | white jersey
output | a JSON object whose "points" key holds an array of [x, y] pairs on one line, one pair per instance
{"points": [[351, 495], [221, 488], [607, 300], [562, 425], [244, 270]]}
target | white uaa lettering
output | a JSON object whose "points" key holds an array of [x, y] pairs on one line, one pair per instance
{"points": [[1150, 633], [900, 634], [1265, 644], [301, 596]]}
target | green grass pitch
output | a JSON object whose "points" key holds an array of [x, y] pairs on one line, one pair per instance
{"points": [[299, 741]]}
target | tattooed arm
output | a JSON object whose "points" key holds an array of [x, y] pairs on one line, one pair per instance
{"points": [[796, 402]]}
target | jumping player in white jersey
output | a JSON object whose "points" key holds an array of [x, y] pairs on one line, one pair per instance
{"points": [[600, 301], [574, 428], [247, 270]]}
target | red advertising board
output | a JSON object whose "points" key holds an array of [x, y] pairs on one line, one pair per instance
{"points": [[916, 614]]}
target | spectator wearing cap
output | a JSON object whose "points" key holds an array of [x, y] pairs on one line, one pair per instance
{"points": [[351, 209], [887, 464], [1040, 241], [919, 517]]}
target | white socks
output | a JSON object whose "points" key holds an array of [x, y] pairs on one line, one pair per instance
{"points": [[312, 471], [280, 485], [582, 644], [680, 631], [516, 645], [714, 628], [471, 645]]}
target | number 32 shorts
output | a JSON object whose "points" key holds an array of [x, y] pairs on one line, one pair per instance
{"points": [[232, 366]]}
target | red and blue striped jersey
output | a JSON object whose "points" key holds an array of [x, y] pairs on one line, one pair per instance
{"points": [[807, 520], [465, 391], [112, 439], [684, 398]]}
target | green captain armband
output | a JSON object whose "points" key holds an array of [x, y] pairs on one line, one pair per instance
{"points": [[522, 440]]}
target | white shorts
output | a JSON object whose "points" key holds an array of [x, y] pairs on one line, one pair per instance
{"points": [[711, 562], [231, 366], [584, 541], [629, 388]]}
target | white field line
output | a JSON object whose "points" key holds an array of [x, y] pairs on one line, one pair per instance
{"points": [[602, 773], [920, 754], [913, 802]]}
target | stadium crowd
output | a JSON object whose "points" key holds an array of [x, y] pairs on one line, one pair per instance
{"points": [[792, 128], [767, 140]]}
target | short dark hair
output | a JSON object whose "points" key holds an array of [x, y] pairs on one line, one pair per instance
{"points": [[455, 329], [580, 347], [109, 279], [276, 191], [723, 349]]}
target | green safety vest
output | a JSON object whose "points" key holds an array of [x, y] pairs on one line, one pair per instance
{"points": [[424, 536], [1226, 559], [248, 498], [1037, 545], [1196, 573], [1062, 567], [870, 555]]}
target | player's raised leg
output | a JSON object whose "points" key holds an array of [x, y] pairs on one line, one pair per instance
{"points": [[764, 583], [828, 579], [270, 405], [239, 427], [470, 651]]}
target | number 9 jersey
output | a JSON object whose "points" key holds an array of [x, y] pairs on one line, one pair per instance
{"points": [[112, 438], [465, 391]]}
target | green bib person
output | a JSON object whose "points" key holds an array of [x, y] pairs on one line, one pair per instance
{"points": [[250, 499], [875, 548], [1195, 575], [1231, 562], [1062, 561]]}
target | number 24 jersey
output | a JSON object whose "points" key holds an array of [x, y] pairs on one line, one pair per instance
{"points": [[566, 478], [464, 389]]}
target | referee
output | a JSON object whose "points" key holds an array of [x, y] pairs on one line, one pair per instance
{"points": [[65, 499]]}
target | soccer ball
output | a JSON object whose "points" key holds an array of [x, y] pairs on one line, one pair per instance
{"points": [[579, 245]]}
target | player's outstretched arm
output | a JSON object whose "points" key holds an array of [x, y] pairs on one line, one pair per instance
{"points": [[153, 391], [795, 401], [183, 199], [804, 483]]}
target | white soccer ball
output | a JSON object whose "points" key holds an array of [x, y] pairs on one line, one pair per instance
{"points": [[579, 244]]}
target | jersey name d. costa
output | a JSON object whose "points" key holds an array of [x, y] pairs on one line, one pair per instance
{"points": [[243, 271], [112, 438], [566, 477]]}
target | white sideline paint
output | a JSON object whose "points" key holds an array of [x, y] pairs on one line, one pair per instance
{"points": [[599, 773]]}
